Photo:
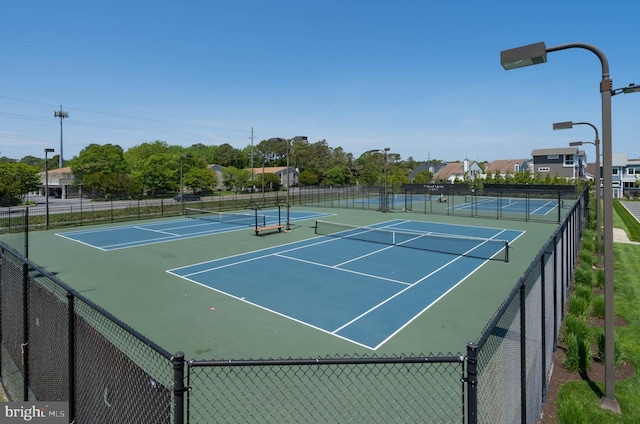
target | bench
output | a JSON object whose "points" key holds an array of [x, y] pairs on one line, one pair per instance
{"points": [[268, 228]]}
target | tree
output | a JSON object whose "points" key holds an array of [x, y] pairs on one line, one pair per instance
{"points": [[335, 176], [96, 158], [17, 179], [200, 179], [227, 155], [423, 177], [308, 177], [154, 166]]}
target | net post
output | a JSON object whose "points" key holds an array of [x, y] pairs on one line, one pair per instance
{"points": [[255, 212], [506, 251]]}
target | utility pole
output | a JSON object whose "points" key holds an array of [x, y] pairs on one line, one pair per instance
{"points": [[251, 154], [60, 114]]}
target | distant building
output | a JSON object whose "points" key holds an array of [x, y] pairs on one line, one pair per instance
{"points": [[431, 166], [458, 171], [60, 183], [503, 167], [567, 162], [626, 175], [280, 171]]}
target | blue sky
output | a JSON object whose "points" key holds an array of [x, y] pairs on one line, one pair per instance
{"points": [[420, 77]]}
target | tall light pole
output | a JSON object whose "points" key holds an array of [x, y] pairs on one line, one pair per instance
{"points": [[60, 114], [596, 142], [534, 54], [46, 184], [182, 158], [288, 141], [385, 202]]}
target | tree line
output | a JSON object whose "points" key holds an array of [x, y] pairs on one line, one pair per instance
{"points": [[156, 167]]}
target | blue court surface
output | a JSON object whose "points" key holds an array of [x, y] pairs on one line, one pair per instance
{"points": [[512, 205], [360, 291], [123, 237]]}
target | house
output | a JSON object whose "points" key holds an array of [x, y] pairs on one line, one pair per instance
{"points": [[626, 175], [430, 166], [567, 162], [280, 171], [458, 171], [503, 167], [60, 183]]}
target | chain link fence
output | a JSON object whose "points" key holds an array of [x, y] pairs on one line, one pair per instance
{"points": [[58, 346], [330, 390], [519, 203]]}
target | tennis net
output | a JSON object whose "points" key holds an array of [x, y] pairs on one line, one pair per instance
{"points": [[234, 218], [444, 243]]}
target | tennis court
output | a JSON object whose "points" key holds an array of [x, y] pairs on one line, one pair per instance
{"points": [[197, 224], [360, 284], [509, 204]]}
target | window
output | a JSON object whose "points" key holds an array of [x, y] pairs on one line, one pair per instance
{"points": [[516, 167], [553, 157], [614, 171], [543, 169], [631, 171], [568, 160]]}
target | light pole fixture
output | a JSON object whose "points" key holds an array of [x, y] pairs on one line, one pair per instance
{"points": [[60, 114], [631, 88], [385, 201], [596, 143], [534, 54], [46, 184], [182, 158], [288, 141]]}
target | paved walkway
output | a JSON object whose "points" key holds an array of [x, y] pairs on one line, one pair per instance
{"points": [[619, 235]]}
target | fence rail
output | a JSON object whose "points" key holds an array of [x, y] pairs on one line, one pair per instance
{"points": [[111, 373]]}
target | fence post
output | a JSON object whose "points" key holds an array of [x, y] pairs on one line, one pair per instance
{"points": [[472, 383], [178, 387], [523, 353], [71, 355], [25, 330]]}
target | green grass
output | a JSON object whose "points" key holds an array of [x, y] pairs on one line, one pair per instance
{"points": [[579, 401], [623, 219]]}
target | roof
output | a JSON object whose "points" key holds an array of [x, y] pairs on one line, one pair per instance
{"points": [[269, 169], [502, 166], [453, 168], [556, 151]]}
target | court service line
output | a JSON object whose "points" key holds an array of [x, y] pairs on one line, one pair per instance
{"points": [[156, 231], [407, 288], [394, 296], [245, 260], [377, 277], [544, 206]]}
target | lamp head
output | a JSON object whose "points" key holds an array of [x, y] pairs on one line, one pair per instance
{"points": [[562, 125], [519, 57], [576, 143], [49, 150]]}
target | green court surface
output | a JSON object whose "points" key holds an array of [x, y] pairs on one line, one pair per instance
{"points": [[133, 284]]}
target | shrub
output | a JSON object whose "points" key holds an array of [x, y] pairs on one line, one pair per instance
{"points": [[588, 243], [586, 258], [577, 326], [578, 307], [578, 356], [617, 352], [597, 306], [583, 276], [584, 291], [600, 278]]}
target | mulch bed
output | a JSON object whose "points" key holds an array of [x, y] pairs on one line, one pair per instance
{"points": [[595, 374]]}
